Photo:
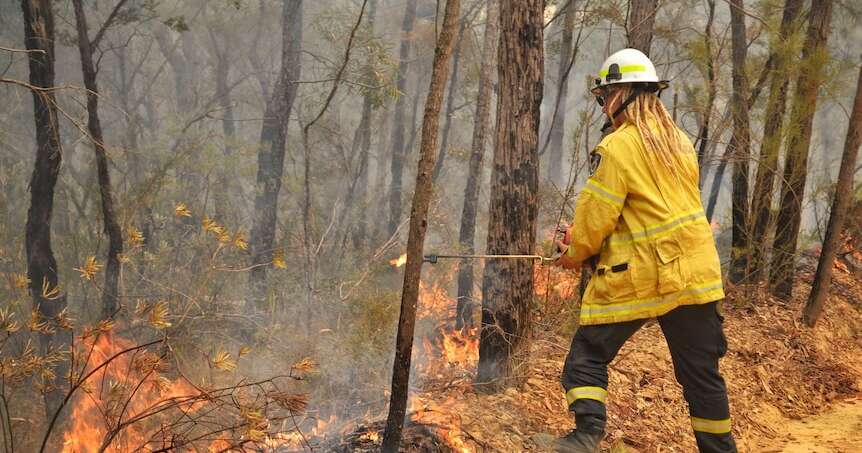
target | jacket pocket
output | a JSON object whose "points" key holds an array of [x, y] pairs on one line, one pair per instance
{"points": [[614, 283], [671, 272]]}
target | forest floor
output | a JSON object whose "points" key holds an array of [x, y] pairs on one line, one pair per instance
{"points": [[792, 389]]}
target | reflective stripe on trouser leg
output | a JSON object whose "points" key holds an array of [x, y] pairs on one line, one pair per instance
{"points": [[696, 342], [585, 372]]}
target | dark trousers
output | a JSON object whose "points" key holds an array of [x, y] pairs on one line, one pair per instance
{"points": [[696, 341]]}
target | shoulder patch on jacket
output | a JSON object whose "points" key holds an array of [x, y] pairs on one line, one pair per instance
{"points": [[595, 161]]}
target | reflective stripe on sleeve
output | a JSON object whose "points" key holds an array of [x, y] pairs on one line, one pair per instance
{"points": [[706, 425], [590, 393], [603, 193]]}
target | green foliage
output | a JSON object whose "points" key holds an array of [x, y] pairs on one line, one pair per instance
{"points": [[177, 24]]}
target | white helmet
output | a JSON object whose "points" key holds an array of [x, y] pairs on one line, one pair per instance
{"points": [[628, 66]]}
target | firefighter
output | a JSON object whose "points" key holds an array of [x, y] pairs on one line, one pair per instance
{"points": [[640, 220]]}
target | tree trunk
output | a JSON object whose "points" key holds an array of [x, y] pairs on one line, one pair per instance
{"points": [[814, 56], [711, 85], [418, 225], [639, 26], [270, 159], [558, 129], [221, 66], [397, 167], [110, 294], [450, 99], [764, 184], [507, 285], [467, 232], [740, 244], [48, 300], [840, 206]]}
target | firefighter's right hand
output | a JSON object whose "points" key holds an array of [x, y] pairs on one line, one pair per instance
{"points": [[564, 260]]}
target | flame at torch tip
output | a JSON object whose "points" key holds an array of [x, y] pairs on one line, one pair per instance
{"points": [[398, 262]]}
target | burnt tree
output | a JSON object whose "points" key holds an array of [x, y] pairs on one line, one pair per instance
{"points": [[110, 293], [270, 158], [507, 285], [776, 104], [467, 231], [48, 299], [840, 207], [398, 150], [815, 55], [418, 226], [558, 128], [740, 243]]}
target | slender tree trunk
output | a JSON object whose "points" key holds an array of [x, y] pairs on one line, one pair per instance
{"points": [[838, 214], [270, 160], [740, 244], [558, 129], [110, 294], [398, 151], [711, 85], [221, 54], [814, 56], [418, 225], [48, 299], [764, 181], [467, 232], [450, 99], [639, 26], [507, 285]]}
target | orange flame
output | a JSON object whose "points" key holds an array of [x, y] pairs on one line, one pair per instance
{"points": [[398, 262], [130, 386]]}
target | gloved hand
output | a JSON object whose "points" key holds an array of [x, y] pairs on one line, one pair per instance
{"points": [[563, 260]]}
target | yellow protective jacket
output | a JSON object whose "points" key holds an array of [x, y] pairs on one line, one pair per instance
{"points": [[655, 247]]}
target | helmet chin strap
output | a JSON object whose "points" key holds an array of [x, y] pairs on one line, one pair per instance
{"points": [[610, 121]]}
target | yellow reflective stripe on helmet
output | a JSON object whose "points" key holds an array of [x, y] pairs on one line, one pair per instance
{"points": [[658, 230], [589, 393], [706, 425], [596, 188], [705, 290], [625, 69]]}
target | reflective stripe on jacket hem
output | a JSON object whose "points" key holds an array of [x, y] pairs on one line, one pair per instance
{"points": [[705, 425], [590, 393], [592, 313]]}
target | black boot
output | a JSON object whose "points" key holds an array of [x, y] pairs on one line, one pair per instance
{"points": [[574, 442]]}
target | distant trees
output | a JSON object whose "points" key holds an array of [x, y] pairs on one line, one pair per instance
{"points": [[811, 74], [507, 285], [740, 244], [110, 293], [398, 150], [467, 231], [270, 159]]}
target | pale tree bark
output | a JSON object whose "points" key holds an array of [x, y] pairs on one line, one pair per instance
{"points": [[838, 214], [742, 137], [639, 24], [764, 181], [467, 231], [558, 129], [815, 55], [110, 293], [418, 226], [507, 285], [48, 298], [398, 151], [270, 159]]}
